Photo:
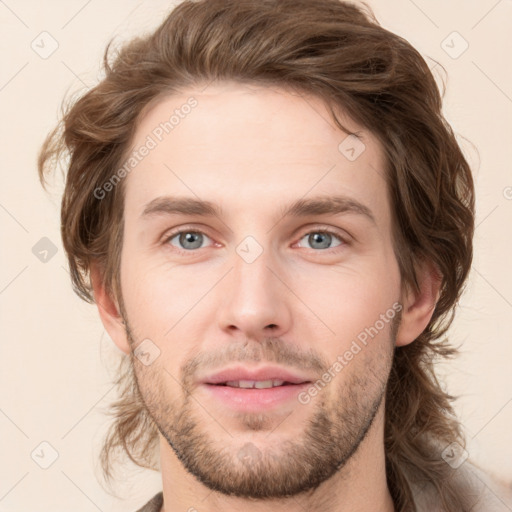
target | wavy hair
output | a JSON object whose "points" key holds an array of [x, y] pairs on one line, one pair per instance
{"points": [[338, 52]]}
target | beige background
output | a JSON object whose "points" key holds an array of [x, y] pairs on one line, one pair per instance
{"points": [[55, 355]]}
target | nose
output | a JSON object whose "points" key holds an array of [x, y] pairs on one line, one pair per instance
{"points": [[255, 299]]}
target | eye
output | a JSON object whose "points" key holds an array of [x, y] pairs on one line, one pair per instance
{"points": [[187, 239], [322, 239]]}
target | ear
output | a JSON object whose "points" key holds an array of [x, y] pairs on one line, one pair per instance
{"points": [[418, 306], [109, 311]]}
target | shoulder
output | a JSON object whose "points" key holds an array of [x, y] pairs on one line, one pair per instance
{"points": [[491, 492], [154, 504], [483, 490]]}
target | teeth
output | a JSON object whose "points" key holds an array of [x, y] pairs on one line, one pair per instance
{"points": [[258, 384], [267, 384]]}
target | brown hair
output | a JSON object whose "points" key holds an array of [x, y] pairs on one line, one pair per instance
{"points": [[337, 51]]}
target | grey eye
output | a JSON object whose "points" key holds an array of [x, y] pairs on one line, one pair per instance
{"points": [[188, 240], [321, 239]]}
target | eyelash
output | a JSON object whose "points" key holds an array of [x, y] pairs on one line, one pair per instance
{"points": [[325, 230]]}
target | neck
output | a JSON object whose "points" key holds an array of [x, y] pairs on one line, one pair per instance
{"points": [[360, 486]]}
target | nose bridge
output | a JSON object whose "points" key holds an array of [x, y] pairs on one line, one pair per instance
{"points": [[255, 299], [251, 272]]}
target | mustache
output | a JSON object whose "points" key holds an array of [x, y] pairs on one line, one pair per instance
{"points": [[270, 349]]}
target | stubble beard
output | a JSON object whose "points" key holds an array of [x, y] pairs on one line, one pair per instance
{"points": [[335, 429]]}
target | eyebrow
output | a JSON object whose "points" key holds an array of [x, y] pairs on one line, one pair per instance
{"points": [[320, 205]]}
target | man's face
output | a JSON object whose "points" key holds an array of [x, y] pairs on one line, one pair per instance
{"points": [[258, 294]]}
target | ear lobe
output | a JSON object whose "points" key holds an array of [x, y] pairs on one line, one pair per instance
{"points": [[418, 306], [108, 309]]}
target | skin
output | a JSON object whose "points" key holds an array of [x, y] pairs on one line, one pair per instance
{"points": [[254, 150]]}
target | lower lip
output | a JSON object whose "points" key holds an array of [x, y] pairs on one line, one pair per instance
{"points": [[253, 399]]}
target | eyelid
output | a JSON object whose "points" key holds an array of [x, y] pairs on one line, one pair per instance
{"points": [[187, 229], [317, 227], [342, 235], [344, 238]]}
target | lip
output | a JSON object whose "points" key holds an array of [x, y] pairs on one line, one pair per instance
{"points": [[264, 373], [253, 399]]}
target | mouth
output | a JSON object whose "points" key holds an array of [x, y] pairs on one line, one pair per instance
{"points": [[249, 390], [263, 377], [255, 384], [250, 396]]}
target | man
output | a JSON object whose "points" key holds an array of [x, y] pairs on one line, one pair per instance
{"points": [[275, 222]]}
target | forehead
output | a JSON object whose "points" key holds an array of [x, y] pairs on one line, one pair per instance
{"points": [[239, 144]]}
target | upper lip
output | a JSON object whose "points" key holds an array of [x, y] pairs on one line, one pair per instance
{"points": [[261, 374]]}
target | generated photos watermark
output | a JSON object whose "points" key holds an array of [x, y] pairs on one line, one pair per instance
{"points": [[356, 347], [156, 136]]}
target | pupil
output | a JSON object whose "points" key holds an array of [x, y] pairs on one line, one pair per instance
{"points": [[319, 237], [189, 237]]}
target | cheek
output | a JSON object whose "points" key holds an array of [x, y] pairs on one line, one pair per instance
{"points": [[153, 285], [352, 297], [168, 304], [359, 310]]}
